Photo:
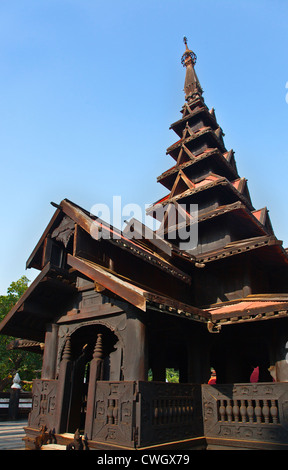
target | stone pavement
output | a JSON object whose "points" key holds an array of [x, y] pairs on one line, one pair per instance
{"points": [[11, 435]]}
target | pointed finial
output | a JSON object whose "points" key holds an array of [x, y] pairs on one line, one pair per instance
{"points": [[98, 350], [189, 56], [67, 353], [192, 86], [16, 381]]}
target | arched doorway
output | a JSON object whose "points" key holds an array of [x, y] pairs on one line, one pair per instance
{"points": [[83, 342]]}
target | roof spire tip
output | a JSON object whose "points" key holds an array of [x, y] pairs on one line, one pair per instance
{"points": [[188, 56], [192, 86]]}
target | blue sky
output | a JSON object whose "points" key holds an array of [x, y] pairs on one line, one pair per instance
{"points": [[89, 88]]}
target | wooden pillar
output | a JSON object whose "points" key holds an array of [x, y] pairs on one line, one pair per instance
{"points": [[135, 361], [96, 373], [278, 338], [158, 365], [198, 363], [115, 359], [14, 403], [50, 353], [183, 371], [64, 389], [159, 372]]}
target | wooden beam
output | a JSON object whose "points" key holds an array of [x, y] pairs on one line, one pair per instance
{"points": [[77, 215], [142, 232], [123, 289]]}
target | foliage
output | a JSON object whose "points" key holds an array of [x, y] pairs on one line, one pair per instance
{"points": [[12, 361], [172, 375]]}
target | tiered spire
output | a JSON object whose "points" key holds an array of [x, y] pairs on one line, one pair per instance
{"points": [[205, 174]]}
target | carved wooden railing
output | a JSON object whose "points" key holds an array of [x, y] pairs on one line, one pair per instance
{"points": [[142, 414], [15, 404], [138, 414], [255, 413], [169, 412]]}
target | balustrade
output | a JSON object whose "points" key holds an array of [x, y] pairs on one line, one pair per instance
{"points": [[137, 414], [248, 411], [257, 413], [172, 411]]}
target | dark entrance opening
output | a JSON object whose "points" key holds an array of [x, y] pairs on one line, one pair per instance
{"points": [[82, 344]]}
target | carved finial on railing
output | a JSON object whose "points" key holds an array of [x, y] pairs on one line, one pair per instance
{"points": [[98, 350], [67, 352]]}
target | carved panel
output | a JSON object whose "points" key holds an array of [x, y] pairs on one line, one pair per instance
{"points": [[43, 404], [90, 299], [114, 413], [253, 412], [64, 231]]}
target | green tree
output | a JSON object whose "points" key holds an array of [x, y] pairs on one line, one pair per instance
{"points": [[12, 361], [172, 375]]}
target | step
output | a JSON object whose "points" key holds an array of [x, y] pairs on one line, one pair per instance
{"points": [[53, 447]]}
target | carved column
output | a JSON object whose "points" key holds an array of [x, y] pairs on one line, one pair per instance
{"points": [[64, 388], [50, 352], [135, 350], [96, 373]]}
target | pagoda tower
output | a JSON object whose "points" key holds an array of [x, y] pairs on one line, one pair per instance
{"points": [[117, 310], [234, 241]]}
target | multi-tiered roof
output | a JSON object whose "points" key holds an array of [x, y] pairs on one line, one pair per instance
{"points": [[205, 174]]}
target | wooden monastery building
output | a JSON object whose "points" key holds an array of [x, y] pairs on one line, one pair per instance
{"points": [[116, 309]]}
